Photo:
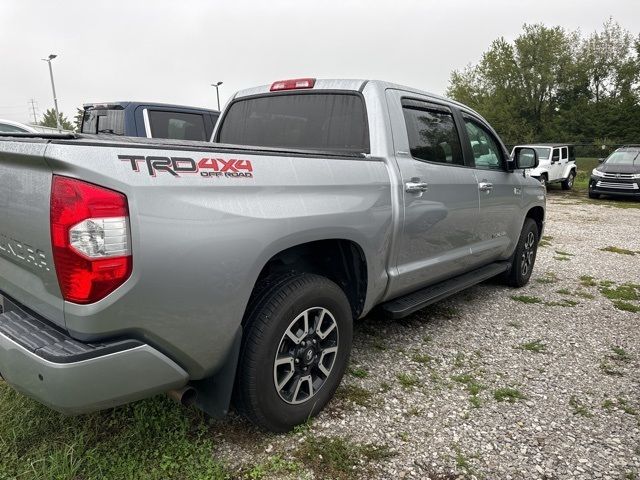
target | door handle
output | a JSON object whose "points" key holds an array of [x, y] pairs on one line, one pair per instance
{"points": [[485, 187], [415, 186]]}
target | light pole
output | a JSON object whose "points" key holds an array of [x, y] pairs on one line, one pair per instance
{"points": [[217, 85], [53, 87]]}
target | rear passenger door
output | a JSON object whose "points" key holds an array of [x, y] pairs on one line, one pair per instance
{"points": [[439, 192], [500, 192]]}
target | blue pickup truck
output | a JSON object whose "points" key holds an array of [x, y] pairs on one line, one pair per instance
{"points": [[151, 120]]}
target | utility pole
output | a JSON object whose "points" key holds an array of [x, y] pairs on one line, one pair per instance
{"points": [[53, 87], [217, 85], [33, 110]]}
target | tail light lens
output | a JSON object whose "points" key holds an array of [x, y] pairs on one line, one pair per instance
{"points": [[90, 238], [293, 84]]}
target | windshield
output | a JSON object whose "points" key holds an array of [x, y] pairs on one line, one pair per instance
{"points": [[543, 152], [318, 121], [625, 157]]}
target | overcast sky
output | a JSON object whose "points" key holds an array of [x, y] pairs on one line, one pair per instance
{"points": [[171, 51]]}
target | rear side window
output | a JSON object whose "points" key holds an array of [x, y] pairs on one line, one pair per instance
{"points": [[312, 121], [180, 126], [433, 136], [102, 120]]}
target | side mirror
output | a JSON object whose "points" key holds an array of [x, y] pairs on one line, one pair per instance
{"points": [[523, 157], [601, 160]]}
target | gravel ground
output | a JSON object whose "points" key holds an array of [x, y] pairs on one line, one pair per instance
{"points": [[484, 385]]}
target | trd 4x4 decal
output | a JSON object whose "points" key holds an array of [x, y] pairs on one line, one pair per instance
{"points": [[178, 166]]}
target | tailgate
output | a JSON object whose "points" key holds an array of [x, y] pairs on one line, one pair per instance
{"points": [[27, 273]]}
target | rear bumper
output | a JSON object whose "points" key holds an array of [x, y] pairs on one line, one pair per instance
{"points": [[74, 377]]}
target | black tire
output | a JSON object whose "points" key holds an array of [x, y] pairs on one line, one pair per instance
{"points": [[272, 314], [594, 195], [544, 180], [525, 255], [567, 184]]}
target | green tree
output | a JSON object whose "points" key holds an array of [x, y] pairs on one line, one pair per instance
{"points": [[77, 119], [552, 85], [49, 120]]}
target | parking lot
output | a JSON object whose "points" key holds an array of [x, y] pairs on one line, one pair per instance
{"points": [[493, 383]]}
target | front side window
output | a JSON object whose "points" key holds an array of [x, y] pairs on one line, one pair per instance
{"points": [[486, 152], [433, 136], [176, 125], [556, 155]]}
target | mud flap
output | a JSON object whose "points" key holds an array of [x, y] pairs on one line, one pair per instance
{"points": [[214, 393]]}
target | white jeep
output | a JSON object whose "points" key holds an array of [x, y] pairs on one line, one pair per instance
{"points": [[557, 164]]}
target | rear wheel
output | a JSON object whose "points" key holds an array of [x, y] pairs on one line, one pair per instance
{"points": [[295, 350], [525, 255], [568, 183]]}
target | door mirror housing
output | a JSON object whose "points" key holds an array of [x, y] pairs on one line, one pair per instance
{"points": [[601, 160], [523, 158]]}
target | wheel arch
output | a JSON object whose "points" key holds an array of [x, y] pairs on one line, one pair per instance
{"points": [[537, 213], [341, 260]]}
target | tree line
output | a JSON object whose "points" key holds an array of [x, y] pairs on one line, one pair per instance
{"points": [[555, 85]]}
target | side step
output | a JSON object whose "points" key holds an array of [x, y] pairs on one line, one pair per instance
{"points": [[406, 305]]}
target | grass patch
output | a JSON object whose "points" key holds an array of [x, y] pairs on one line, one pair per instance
{"points": [[151, 439], [275, 465], [384, 387], [626, 306], [525, 299], [339, 458], [407, 380], [548, 277], [565, 302], [626, 291], [579, 408], [621, 251], [610, 370], [355, 394], [588, 281], [359, 372], [564, 291], [422, 358], [510, 395], [626, 408], [536, 346], [620, 354], [565, 254], [472, 386]]}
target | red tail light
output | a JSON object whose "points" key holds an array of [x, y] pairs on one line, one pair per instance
{"points": [[294, 84], [90, 238]]}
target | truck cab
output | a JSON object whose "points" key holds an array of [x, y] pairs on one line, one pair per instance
{"points": [[557, 164], [150, 120]]}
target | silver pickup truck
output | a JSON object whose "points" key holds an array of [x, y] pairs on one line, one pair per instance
{"points": [[234, 270]]}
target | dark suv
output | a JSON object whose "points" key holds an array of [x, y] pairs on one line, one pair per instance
{"points": [[618, 174]]}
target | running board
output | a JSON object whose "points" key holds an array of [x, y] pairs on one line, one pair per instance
{"points": [[406, 305]]}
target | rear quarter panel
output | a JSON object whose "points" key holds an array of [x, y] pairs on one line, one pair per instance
{"points": [[199, 243]]}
